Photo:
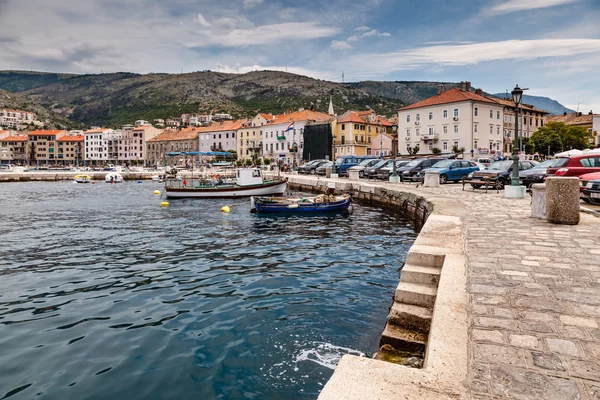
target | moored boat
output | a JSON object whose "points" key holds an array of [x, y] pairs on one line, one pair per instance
{"points": [[113, 177], [316, 204], [248, 182], [83, 179]]}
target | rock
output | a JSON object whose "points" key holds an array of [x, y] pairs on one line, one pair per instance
{"points": [[562, 200], [414, 362]]}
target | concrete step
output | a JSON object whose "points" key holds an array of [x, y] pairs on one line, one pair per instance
{"points": [[421, 274], [416, 294], [410, 317], [416, 257], [403, 339]]}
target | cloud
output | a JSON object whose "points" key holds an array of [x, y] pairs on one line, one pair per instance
{"points": [[252, 3], [353, 38], [375, 32], [510, 6], [261, 35], [202, 21], [340, 45], [362, 28]]}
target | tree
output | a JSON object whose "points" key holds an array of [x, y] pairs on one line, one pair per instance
{"points": [[436, 151], [415, 149], [238, 163], [560, 137], [455, 149], [267, 161], [248, 162]]}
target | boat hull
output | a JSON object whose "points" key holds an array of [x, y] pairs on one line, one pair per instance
{"points": [[266, 189], [301, 208]]}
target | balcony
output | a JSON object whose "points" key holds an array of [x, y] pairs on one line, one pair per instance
{"points": [[280, 137], [427, 138], [216, 148], [253, 145]]}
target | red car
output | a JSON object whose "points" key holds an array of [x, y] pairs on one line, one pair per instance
{"points": [[583, 181], [576, 165]]}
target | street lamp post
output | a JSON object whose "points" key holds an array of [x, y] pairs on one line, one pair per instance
{"points": [[515, 190], [380, 142], [394, 176]]}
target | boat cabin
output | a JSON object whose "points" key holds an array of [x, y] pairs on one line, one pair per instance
{"points": [[249, 176]]}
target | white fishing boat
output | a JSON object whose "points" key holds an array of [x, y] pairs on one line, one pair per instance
{"points": [[82, 179], [247, 182], [113, 177]]}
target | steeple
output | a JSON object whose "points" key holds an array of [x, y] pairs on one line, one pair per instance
{"points": [[331, 112]]}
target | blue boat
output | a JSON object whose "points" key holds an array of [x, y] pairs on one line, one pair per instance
{"points": [[318, 204]]}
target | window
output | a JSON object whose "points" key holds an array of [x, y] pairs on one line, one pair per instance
{"points": [[445, 146], [430, 115], [456, 112], [445, 114], [498, 129], [445, 129], [475, 128], [418, 118], [491, 145], [455, 128], [491, 113], [356, 126], [343, 127], [456, 143], [491, 129], [475, 144], [418, 131], [431, 130], [347, 150], [341, 150], [497, 114], [408, 118], [430, 145], [408, 132]]}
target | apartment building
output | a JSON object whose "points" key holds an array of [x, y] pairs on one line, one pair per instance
{"points": [[13, 118], [13, 147], [283, 136], [43, 147], [249, 137], [354, 133], [171, 140], [70, 149], [453, 118], [96, 149], [219, 136]]}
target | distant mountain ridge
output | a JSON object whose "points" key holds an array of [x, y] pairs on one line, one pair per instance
{"points": [[543, 103]]}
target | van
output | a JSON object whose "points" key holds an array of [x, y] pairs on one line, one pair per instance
{"points": [[342, 163]]}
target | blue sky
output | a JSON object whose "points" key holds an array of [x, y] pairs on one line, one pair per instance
{"points": [[550, 46]]}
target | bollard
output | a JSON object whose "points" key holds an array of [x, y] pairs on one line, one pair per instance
{"points": [[562, 200], [353, 175], [432, 179], [538, 201], [328, 172]]}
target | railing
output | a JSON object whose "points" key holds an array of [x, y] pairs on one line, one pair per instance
{"points": [[433, 137]]}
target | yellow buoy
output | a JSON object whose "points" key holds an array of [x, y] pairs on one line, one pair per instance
{"points": [[225, 209], [164, 204], [157, 192]]}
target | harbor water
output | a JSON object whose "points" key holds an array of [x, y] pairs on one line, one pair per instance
{"points": [[106, 295]]}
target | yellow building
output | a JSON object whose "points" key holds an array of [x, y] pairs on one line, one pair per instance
{"points": [[250, 137], [354, 132]]}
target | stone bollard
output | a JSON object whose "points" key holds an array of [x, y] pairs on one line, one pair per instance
{"points": [[328, 172], [353, 175], [562, 200], [432, 179], [538, 201]]}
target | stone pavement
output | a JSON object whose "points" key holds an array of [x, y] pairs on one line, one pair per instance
{"points": [[533, 293]]}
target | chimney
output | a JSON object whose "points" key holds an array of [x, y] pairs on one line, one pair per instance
{"points": [[591, 112], [579, 114], [467, 86], [441, 88], [463, 86], [479, 92], [564, 114]]}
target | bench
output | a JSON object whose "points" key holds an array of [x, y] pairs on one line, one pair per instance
{"points": [[487, 183]]}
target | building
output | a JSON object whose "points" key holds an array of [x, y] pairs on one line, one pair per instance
{"points": [[455, 118], [219, 136], [354, 132], [221, 116], [171, 140], [283, 136], [13, 147], [132, 144], [531, 119], [173, 123], [382, 145], [249, 137], [43, 147], [159, 123], [141, 122], [96, 146], [13, 118], [585, 121], [70, 149]]}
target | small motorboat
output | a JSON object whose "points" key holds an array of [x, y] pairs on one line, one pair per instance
{"points": [[83, 179], [113, 177], [316, 204]]}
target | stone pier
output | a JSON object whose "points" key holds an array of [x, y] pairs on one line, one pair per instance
{"points": [[517, 309]]}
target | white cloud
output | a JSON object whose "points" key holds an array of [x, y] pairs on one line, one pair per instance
{"points": [[252, 3], [385, 34], [362, 28], [510, 6], [353, 38], [340, 45], [202, 21], [375, 32], [265, 34]]}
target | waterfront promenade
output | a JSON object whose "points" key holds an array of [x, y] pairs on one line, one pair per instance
{"points": [[532, 306]]}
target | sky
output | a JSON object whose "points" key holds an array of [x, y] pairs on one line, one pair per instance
{"points": [[551, 47]]}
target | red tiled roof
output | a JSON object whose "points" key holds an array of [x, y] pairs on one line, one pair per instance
{"points": [[268, 117], [142, 127], [453, 95], [510, 103], [352, 117], [572, 119], [74, 138], [227, 125], [14, 138], [45, 133], [175, 134], [305, 115]]}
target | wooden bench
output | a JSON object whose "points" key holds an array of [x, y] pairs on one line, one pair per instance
{"points": [[487, 183]]}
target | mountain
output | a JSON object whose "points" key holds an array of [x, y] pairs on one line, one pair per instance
{"points": [[120, 98], [543, 103], [50, 119]]}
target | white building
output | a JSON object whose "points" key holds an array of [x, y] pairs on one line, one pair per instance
{"points": [[596, 127], [12, 118], [219, 136], [141, 122], [283, 137], [95, 145], [453, 118]]}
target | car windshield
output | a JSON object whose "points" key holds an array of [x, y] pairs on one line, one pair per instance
{"points": [[545, 164], [340, 161], [442, 164], [380, 164], [500, 165], [364, 163], [414, 163], [561, 162], [311, 163]]}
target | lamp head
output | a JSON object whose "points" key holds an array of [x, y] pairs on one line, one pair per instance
{"points": [[517, 95]]}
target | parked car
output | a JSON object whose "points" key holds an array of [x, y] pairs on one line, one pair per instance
{"points": [[310, 167], [576, 165], [363, 165], [410, 170], [342, 163], [537, 174], [321, 168], [450, 170], [583, 182], [385, 172], [500, 170], [371, 173], [592, 191]]}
